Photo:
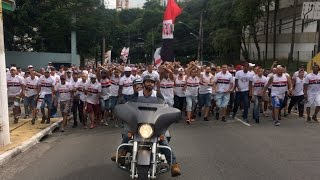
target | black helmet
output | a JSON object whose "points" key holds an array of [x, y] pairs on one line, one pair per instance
{"points": [[148, 77], [137, 81]]}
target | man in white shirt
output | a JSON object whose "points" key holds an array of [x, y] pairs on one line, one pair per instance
{"points": [[223, 85], [75, 104], [80, 94], [31, 91], [65, 91], [258, 83], [243, 84], [298, 95], [296, 74], [150, 71], [93, 91], [205, 91], [15, 92], [47, 93], [126, 85], [311, 92], [56, 78]]}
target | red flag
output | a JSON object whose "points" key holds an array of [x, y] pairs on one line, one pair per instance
{"points": [[172, 11]]}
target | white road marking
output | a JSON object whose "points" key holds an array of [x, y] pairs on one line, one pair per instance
{"points": [[247, 124]]}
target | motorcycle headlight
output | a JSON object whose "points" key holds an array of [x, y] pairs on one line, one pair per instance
{"points": [[145, 131]]}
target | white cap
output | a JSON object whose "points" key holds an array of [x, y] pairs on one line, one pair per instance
{"points": [[85, 72], [126, 69], [7, 69], [180, 69], [13, 68], [251, 65], [30, 66], [93, 76]]}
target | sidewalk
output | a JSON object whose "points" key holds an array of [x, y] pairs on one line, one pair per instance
{"points": [[24, 135]]}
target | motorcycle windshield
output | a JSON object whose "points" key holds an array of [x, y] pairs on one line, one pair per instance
{"points": [[158, 114]]}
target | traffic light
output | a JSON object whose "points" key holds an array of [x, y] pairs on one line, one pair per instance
{"points": [[9, 5]]}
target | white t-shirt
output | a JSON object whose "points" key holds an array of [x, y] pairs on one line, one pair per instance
{"points": [[298, 88], [313, 81], [155, 74], [105, 85], [166, 88], [14, 85], [81, 86], [223, 81], [46, 85], [114, 88], [206, 89], [56, 78], [279, 85], [93, 91], [31, 86], [136, 77], [127, 85], [258, 84], [179, 85], [192, 86], [243, 80], [64, 91]]}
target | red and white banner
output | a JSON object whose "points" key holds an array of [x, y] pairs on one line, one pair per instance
{"points": [[172, 11], [125, 54]]}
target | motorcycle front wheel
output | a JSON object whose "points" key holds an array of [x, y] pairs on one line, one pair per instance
{"points": [[143, 172]]}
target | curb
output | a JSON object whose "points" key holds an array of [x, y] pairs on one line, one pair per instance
{"points": [[5, 157]]}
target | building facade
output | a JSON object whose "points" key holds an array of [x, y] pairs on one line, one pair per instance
{"points": [[305, 36], [122, 4]]}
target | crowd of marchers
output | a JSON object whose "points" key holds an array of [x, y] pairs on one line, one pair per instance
{"points": [[208, 91]]}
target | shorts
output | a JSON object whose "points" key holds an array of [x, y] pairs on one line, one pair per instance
{"points": [[191, 102], [222, 99], [313, 100], [104, 104], [277, 102], [113, 101], [92, 108], [65, 107], [47, 100], [30, 101], [14, 100], [205, 100]]}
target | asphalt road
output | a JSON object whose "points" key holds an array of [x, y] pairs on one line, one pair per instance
{"points": [[205, 151]]}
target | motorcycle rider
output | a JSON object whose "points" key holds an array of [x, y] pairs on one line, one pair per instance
{"points": [[151, 96]]}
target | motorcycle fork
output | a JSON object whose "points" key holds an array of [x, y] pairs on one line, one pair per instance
{"points": [[154, 161], [134, 160]]}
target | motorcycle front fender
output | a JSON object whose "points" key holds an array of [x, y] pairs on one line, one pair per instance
{"points": [[144, 157]]}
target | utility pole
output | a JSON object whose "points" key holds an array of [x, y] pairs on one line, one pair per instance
{"points": [[199, 37], [293, 33], [129, 42], [318, 22], [275, 28], [4, 116], [103, 50], [152, 48], [267, 33]]}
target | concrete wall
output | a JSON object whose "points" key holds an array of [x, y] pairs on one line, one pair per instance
{"points": [[37, 59]]}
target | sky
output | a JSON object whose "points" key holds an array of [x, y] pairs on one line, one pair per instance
{"points": [[133, 3]]}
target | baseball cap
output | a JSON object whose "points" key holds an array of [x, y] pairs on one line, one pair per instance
{"points": [[93, 76], [251, 65], [13, 68], [180, 69], [127, 69], [30, 66], [134, 69]]}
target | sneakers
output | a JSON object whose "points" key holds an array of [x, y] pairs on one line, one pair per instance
{"points": [[217, 116], [16, 119], [43, 120], [106, 124], [315, 118], [33, 121], [48, 121], [75, 125], [26, 116], [276, 123], [175, 170], [308, 119], [62, 129], [205, 119], [92, 126], [223, 119], [199, 114]]}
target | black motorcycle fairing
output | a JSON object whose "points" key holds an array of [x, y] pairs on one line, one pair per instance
{"points": [[161, 116]]}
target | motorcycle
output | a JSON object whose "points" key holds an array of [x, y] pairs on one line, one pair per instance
{"points": [[147, 125]]}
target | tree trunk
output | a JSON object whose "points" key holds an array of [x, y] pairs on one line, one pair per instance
{"points": [[253, 33], [275, 28], [244, 49]]}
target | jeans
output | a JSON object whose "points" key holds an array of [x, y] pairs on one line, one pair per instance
{"points": [[166, 152], [295, 100], [77, 105], [191, 103], [256, 107], [241, 97], [179, 102]]}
